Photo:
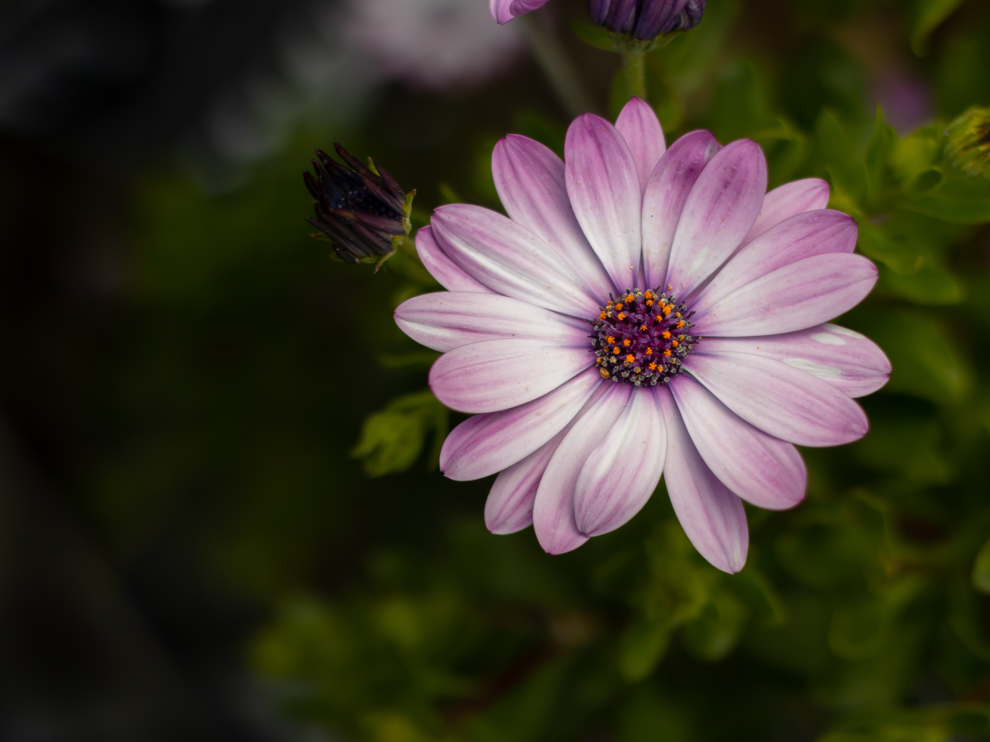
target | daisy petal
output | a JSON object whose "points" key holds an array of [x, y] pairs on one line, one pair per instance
{"points": [[529, 179], [666, 192], [712, 517], [442, 268], [603, 185], [779, 399], [509, 507], [791, 199], [850, 362], [761, 469], [621, 473], [553, 511], [485, 444], [504, 11], [803, 236], [719, 212], [496, 375], [640, 127], [447, 320], [510, 259], [795, 297]]}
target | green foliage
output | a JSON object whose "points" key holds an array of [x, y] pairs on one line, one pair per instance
{"points": [[393, 439]]}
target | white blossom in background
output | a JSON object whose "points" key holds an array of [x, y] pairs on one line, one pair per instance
{"points": [[432, 43]]}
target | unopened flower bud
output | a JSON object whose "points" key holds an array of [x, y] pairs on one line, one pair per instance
{"points": [[360, 208], [644, 20], [969, 142]]}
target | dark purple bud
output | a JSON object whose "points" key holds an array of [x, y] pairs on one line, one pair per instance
{"points": [[359, 209], [598, 9], [644, 20]]}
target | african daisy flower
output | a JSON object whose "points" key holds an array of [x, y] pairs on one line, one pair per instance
{"points": [[643, 311]]}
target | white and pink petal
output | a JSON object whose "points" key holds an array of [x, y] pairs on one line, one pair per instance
{"points": [[843, 358], [720, 210], [486, 444], [780, 400], [504, 11], [511, 260], [803, 236], [495, 375], [797, 296], [763, 470], [604, 190], [710, 514], [621, 473], [666, 193], [447, 320], [553, 511], [787, 201], [640, 127], [530, 182], [441, 267]]}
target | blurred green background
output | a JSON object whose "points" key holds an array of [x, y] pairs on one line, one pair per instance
{"points": [[197, 540]]}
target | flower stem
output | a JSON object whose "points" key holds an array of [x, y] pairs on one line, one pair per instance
{"points": [[556, 65], [634, 64]]}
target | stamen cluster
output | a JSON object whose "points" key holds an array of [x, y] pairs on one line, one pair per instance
{"points": [[641, 337]]}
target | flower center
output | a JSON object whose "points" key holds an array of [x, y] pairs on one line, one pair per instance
{"points": [[641, 337]]}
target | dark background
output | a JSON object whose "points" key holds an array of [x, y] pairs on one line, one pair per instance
{"points": [[184, 371]]}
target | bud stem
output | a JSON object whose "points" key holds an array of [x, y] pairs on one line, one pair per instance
{"points": [[634, 64]]}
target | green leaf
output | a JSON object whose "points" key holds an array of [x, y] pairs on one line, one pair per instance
{"points": [[393, 439]]}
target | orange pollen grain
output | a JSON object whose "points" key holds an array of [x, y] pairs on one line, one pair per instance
{"points": [[643, 328], [630, 299], [649, 352], [619, 307], [627, 342], [652, 367], [679, 325], [602, 316], [615, 350], [666, 335], [648, 294], [621, 316], [630, 358], [668, 309], [667, 352], [649, 302], [611, 339], [674, 343]]}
